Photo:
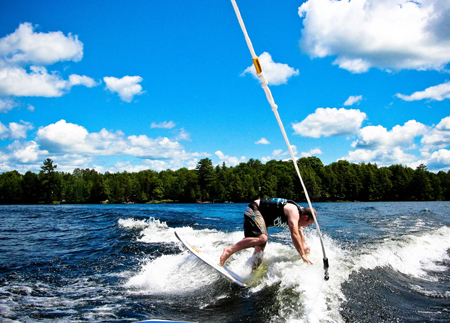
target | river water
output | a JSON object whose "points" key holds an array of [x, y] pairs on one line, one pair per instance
{"points": [[389, 262]]}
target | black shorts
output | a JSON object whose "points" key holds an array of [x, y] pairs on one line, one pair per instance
{"points": [[254, 224]]}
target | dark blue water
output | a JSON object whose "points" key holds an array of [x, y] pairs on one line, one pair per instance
{"points": [[389, 262]]}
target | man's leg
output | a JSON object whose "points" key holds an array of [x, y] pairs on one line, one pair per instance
{"points": [[245, 243], [258, 255]]}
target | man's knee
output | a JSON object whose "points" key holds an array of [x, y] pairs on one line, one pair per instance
{"points": [[263, 240]]}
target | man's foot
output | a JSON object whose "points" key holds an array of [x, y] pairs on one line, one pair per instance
{"points": [[225, 255]]}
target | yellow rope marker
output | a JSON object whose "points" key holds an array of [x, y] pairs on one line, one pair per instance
{"points": [[264, 85], [257, 65]]}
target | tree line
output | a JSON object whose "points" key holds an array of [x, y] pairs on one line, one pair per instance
{"points": [[339, 181]]}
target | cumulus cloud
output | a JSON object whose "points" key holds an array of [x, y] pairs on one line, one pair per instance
{"points": [[64, 137], [73, 146], [399, 136], [439, 159], [7, 104], [25, 153], [383, 157], [439, 92], [312, 152], [439, 136], [75, 79], [127, 87], [262, 141], [230, 161], [163, 125], [15, 130], [183, 135], [157, 165], [278, 154], [375, 144], [330, 122], [16, 81], [352, 100], [24, 47], [275, 73], [384, 34]]}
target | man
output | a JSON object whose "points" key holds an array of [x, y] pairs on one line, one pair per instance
{"points": [[269, 212]]}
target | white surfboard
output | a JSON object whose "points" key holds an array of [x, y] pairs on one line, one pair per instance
{"points": [[227, 273]]}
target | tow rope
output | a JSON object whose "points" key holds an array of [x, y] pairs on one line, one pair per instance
{"points": [[264, 85]]}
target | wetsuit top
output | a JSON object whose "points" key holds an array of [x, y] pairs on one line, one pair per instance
{"points": [[272, 210]]}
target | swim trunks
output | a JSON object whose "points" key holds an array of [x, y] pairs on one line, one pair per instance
{"points": [[254, 224], [270, 213]]}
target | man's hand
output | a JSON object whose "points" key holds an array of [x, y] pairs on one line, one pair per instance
{"points": [[305, 259]]}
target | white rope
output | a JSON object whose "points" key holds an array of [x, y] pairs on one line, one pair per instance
{"points": [[264, 85]]}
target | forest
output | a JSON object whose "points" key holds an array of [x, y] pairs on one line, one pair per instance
{"points": [[339, 181]]}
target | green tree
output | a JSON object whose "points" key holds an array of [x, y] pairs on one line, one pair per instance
{"points": [[31, 188], [401, 178], [444, 179], [421, 184], [205, 172], [50, 181], [11, 187]]}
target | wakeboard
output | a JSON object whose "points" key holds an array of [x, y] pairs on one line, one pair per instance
{"points": [[224, 271]]}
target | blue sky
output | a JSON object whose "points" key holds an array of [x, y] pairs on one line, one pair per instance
{"points": [[133, 85]]}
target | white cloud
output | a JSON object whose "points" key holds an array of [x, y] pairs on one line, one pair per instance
{"points": [[384, 34], [399, 136], [156, 165], [163, 125], [439, 92], [183, 135], [330, 122], [19, 130], [63, 137], [397, 146], [275, 73], [230, 161], [75, 79], [383, 157], [72, 146], [439, 160], [262, 141], [24, 47], [7, 104], [127, 87], [312, 152], [15, 81], [352, 100], [278, 154], [128, 166], [25, 152], [439, 136], [15, 130]]}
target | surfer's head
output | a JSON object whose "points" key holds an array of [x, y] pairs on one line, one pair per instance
{"points": [[307, 215]]}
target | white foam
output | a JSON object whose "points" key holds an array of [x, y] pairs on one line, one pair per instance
{"points": [[183, 272], [413, 255], [317, 300]]}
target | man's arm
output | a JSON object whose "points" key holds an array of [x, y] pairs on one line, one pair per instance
{"points": [[296, 234]]}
